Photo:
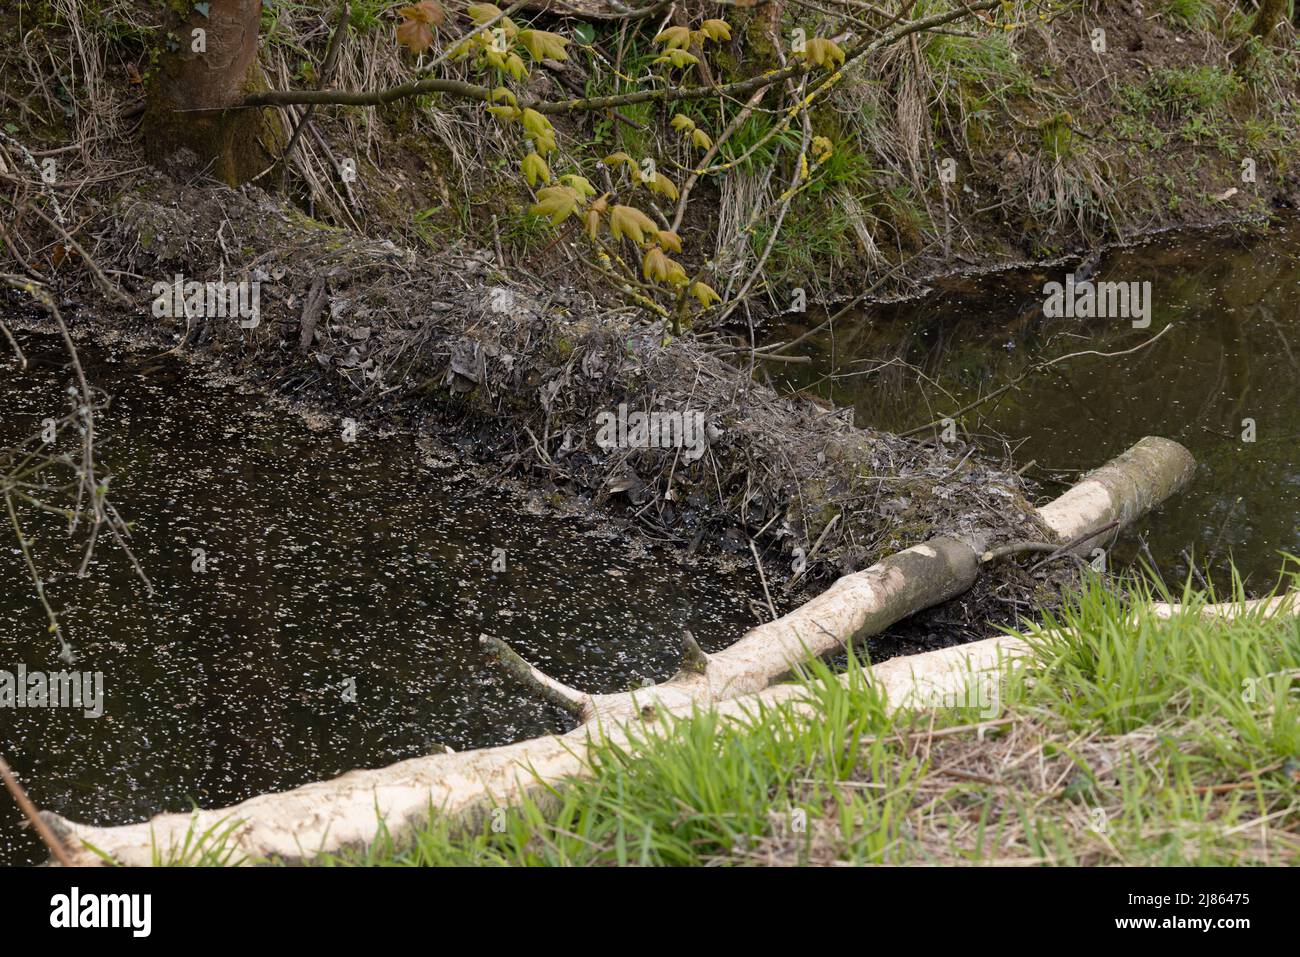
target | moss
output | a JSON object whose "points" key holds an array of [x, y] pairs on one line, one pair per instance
{"points": [[1057, 136]]}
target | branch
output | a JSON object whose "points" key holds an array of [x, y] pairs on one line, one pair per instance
{"points": [[546, 687], [473, 91], [29, 811], [1039, 367]]}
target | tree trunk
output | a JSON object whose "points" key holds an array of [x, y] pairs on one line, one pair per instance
{"points": [[206, 65], [1266, 21]]}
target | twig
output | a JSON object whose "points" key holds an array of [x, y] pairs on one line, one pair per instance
{"points": [[1028, 372], [1069, 547], [326, 74], [763, 578], [29, 811]]}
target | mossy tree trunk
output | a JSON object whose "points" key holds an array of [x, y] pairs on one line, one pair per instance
{"points": [[1267, 19], [207, 64]]}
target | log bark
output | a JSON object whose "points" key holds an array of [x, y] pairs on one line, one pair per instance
{"points": [[329, 816]]}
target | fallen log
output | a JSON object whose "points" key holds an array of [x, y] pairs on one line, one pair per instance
{"points": [[345, 812]]}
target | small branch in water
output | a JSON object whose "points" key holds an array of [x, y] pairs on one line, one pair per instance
{"points": [[763, 578], [29, 811], [1026, 374], [555, 692]]}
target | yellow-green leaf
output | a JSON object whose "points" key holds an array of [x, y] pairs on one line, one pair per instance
{"points": [[462, 49], [669, 240], [482, 13], [678, 58], [704, 293], [579, 183], [515, 66], [507, 114], [545, 143], [654, 264], [682, 123], [630, 222], [593, 214], [675, 38], [662, 184], [534, 168], [557, 203], [503, 95], [542, 45], [718, 30], [535, 123], [824, 52], [701, 139]]}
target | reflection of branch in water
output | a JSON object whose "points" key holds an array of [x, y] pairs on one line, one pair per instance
{"points": [[892, 388], [1286, 346], [23, 476], [1039, 367]]}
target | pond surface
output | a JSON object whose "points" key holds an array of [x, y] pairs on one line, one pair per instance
{"points": [[1230, 362], [327, 566]]}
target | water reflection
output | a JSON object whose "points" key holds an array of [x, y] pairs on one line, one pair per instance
{"points": [[1231, 359]]}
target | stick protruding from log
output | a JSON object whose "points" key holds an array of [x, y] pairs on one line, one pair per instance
{"points": [[694, 660], [536, 680]]}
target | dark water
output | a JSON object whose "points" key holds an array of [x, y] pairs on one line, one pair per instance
{"points": [[326, 563], [1233, 354]]}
